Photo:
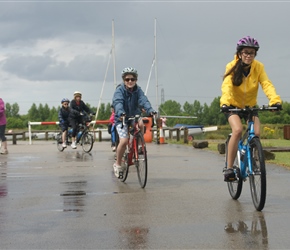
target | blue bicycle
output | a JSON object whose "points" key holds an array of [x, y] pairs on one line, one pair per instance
{"points": [[250, 161]]}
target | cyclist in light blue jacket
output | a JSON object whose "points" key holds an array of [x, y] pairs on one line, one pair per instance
{"points": [[127, 100]]}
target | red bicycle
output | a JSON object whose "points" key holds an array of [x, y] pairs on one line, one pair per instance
{"points": [[136, 153]]}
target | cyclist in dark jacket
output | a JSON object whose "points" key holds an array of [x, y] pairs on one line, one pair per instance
{"points": [[63, 117], [127, 100], [79, 112]]}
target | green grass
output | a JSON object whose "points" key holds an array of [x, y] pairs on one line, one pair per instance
{"points": [[214, 138], [281, 158]]}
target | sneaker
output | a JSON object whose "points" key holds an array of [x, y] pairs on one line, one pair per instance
{"points": [[114, 149], [64, 145], [4, 152], [229, 175], [73, 145], [118, 171]]}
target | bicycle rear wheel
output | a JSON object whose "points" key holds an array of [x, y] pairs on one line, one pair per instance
{"points": [[87, 142], [234, 187], [141, 160], [59, 142], [258, 178]]}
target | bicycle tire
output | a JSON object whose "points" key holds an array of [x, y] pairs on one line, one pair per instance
{"points": [[140, 160], [258, 178], [59, 142], [234, 187], [87, 142], [125, 166]]}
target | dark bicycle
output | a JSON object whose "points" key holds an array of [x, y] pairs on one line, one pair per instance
{"points": [[84, 137]]}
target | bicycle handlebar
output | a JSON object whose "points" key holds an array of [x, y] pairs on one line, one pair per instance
{"points": [[249, 109], [136, 118]]}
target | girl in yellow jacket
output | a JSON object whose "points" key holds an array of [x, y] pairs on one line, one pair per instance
{"points": [[240, 89]]}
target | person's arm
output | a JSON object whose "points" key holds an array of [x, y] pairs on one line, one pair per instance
{"points": [[2, 107], [86, 108], [268, 87], [227, 89], [73, 105], [118, 102], [60, 118], [144, 102]]}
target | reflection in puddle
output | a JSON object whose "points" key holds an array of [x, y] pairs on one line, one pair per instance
{"points": [[252, 234], [73, 196], [3, 176], [134, 238]]}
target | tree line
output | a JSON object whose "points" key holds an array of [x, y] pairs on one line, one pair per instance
{"points": [[207, 115]]}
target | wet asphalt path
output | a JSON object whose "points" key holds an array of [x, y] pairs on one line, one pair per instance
{"points": [[72, 200]]}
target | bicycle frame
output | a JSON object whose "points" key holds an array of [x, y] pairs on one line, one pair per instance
{"points": [[132, 143], [135, 153], [246, 163], [245, 142]]}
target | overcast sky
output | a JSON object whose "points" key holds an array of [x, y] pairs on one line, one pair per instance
{"points": [[49, 49]]}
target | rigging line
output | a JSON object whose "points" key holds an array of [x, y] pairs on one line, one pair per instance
{"points": [[153, 62], [100, 100]]}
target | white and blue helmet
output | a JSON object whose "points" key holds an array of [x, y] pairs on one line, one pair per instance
{"points": [[129, 70]]}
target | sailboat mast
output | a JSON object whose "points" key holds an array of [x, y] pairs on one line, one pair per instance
{"points": [[113, 53], [156, 76]]}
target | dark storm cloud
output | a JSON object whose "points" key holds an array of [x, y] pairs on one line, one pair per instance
{"points": [[45, 68]]}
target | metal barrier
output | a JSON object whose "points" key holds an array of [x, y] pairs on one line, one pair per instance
{"points": [[57, 123]]}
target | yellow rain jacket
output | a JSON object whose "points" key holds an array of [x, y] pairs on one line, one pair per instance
{"points": [[246, 93]]}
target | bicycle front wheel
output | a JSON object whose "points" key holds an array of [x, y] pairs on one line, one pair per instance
{"points": [[141, 160], [125, 166], [258, 177], [59, 142], [235, 187], [87, 142]]}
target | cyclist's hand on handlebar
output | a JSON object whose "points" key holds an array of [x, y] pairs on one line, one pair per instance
{"points": [[93, 113], [277, 105], [225, 108]]}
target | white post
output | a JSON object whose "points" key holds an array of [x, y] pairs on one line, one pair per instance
{"points": [[29, 132]]}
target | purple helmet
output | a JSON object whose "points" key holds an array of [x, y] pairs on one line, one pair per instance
{"points": [[248, 42]]}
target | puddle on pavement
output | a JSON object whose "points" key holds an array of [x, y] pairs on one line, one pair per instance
{"points": [[254, 231], [134, 238], [74, 196]]}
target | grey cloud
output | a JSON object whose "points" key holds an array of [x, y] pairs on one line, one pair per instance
{"points": [[45, 68]]}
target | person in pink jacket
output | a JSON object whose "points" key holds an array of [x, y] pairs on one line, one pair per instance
{"points": [[240, 86], [3, 122], [113, 130]]}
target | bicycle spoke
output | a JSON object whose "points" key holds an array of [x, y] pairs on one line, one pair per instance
{"points": [[141, 161], [258, 177], [125, 166], [235, 187], [59, 142], [87, 142]]}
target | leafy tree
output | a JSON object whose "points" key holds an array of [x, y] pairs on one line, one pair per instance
{"points": [[15, 110], [33, 114], [102, 112], [53, 116], [12, 110], [15, 123]]}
